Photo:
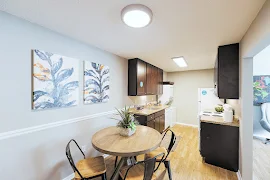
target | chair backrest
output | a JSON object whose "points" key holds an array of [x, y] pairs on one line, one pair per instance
{"points": [[149, 167], [172, 140], [265, 121], [70, 159]]}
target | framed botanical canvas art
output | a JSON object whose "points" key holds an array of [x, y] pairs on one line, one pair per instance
{"points": [[55, 80], [96, 83]]}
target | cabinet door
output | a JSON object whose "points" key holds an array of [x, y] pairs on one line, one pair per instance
{"points": [[157, 124], [220, 145], [141, 119], [161, 123], [141, 78], [216, 73], [150, 79], [155, 80], [160, 81], [151, 123], [228, 71]]}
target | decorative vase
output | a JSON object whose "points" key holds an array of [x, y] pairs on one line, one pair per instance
{"points": [[126, 132]]}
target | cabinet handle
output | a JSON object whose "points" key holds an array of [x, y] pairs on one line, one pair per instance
{"points": [[207, 137]]}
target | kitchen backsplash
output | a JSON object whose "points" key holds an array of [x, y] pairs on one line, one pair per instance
{"points": [[236, 106], [141, 100]]}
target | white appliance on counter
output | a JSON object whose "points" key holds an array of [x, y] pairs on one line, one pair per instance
{"points": [[170, 112]]}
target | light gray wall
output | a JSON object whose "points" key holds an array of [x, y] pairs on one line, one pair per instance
{"points": [[261, 64], [186, 84], [17, 39], [256, 39], [41, 155], [165, 76]]}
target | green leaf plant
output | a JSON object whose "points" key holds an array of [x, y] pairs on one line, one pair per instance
{"points": [[127, 119]]}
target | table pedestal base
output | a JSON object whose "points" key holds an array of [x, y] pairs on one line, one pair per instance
{"points": [[121, 163]]}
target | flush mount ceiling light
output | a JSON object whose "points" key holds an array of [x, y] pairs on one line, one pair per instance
{"points": [[180, 61], [136, 15]]}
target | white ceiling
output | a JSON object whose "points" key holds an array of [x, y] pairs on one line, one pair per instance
{"points": [[190, 28]]}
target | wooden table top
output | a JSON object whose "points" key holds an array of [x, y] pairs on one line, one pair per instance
{"points": [[109, 141]]}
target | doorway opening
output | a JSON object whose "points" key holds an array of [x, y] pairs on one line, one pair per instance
{"points": [[261, 115]]}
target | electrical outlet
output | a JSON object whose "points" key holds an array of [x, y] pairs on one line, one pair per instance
{"points": [[129, 162], [84, 148]]}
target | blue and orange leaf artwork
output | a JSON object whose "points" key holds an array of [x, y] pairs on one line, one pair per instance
{"points": [[55, 80], [96, 83]]}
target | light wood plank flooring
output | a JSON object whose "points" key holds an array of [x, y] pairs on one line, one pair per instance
{"points": [[186, 162], [261, 160]]}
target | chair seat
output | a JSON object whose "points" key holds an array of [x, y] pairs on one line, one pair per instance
{"points": [[156, 152], [90, 167], [135, 173]]}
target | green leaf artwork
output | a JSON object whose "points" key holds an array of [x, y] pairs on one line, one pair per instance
{"points": [[261, 89]]}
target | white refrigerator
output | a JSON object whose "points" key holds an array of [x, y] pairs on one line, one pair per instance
{"points": [[170, 113], [207, 100], [167, 94]]}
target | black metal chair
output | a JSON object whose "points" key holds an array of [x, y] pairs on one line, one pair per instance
{"points": [[86, 168], [166, 150], [142, 170]]}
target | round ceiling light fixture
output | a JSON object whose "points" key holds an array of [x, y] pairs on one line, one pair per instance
{"points": [[136, 15]]}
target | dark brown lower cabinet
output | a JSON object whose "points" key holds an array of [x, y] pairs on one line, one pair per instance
{"points": [[219, 145], [157, 124], [155, 121], [151, 123], [162, 122]]}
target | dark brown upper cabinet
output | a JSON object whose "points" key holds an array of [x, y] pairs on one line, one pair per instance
{"points": [[227, 72], [151, 80], [149, 89], [160, 82], [144, 78], [136, 77]]}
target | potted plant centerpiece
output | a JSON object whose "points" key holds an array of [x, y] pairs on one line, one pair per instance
{"points": [[128, 122]]}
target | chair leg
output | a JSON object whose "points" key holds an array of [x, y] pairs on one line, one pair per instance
{"points": [[168, 167], [115, 162], [104, 177]]}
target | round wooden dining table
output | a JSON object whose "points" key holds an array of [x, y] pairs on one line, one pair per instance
{"points": [[109, 141]]}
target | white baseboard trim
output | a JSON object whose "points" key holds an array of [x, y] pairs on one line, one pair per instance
{"points": [[239, 177], [28, 130], [184, 124], [105, 155], [70, 177]]}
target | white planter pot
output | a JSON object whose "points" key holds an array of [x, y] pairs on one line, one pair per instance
{"points": [[126, 132]]}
